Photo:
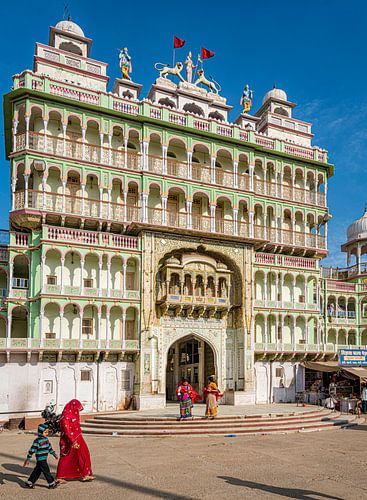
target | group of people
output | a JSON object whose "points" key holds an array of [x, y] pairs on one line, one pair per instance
{"points": [[188, 397], [74, 462]]}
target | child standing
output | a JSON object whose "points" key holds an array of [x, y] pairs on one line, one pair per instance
{"points": [[41, 447]]}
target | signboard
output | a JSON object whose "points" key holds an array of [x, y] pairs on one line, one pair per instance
{"points": [[353, 357]]}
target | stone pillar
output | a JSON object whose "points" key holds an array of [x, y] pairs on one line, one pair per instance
{"points": [[125, 206], [189, 164], [164, 158], [108, 336], [164, 210], [27, 120], [40, 333], [61, 329], [251, 222], [212, 168], [101, 140], [13, 186], [108, 277], [101, 203], [63, 204], [14, 134], [45, 145], [109, 203], [251, 173], [189, 213], [235, 174], [64, 127], [82, 186], [109, 149], [235, 221], [42, 273], [82, 276], [26, 177], [144, 150], [98, 329], [212, 218], [124, 268], [144, 203], [80, 328], [126, 140], [123, 333], [8, 329], [154, 362], [62, 274], [83, 142], [100, 265], [10, 284]]}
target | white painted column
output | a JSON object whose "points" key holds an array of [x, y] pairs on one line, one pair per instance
{"points": [[27, 120], [81, 328], [62, 277], [98, 329], [82, 276], [124, 268], [189, 214], [123, 333], [125, 206], [83, 142], [13, 186], [235, 221], [10, 284], [109, 215], [144, 202], [164, 210], [359, 258], [8, 329], [63, 201], [212, 218], [61, 327], [82, 186], [108, 333], [266, 295], [45, 145], [144, 150], [235, 174], [108, 278], [42, 273], [251, 173], [164, 157], [101, 138], [44, 179], [251, 222], [100, 203], [40, 333], [277, 294], [64, 127], [100, 264], [212, 168], [189, 164], [125, 151], [26, 177], [110, 149], [14, 133]]}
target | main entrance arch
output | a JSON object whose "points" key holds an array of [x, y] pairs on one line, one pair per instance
{"points": [[192, 358]]}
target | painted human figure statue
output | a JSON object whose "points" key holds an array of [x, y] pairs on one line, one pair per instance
{"points": [[125, 63], [246, 99], [189, 67]]}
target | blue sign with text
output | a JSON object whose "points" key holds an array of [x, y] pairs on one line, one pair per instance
{"points": [[353, 357]]}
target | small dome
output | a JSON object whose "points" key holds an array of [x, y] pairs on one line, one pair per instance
{"points": [[70, 27], [358, 229], [275, 94], [173, 260], [221, 265]]}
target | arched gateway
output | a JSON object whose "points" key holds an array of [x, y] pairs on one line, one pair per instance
{"points": [[191, 358]]}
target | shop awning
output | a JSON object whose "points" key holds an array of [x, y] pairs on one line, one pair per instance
{"points": [[333, 366], [322, 366]]}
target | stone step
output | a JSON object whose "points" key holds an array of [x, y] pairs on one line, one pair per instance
{"points": [[199, 423], [121, 417], [209, 429]]}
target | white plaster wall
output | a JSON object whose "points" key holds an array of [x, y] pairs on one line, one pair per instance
{"points": [[273, 389], [27, 387]]}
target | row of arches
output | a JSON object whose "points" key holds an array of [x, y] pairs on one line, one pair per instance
{"points": [[286, 287], [287, 329], [199, 161]]}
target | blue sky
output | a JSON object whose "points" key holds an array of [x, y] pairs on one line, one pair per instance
{"points": [[313, 49]]}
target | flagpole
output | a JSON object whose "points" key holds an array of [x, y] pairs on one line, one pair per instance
{"points": [[173, 58]]}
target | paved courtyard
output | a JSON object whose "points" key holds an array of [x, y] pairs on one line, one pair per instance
{"points": [[321, 465]]}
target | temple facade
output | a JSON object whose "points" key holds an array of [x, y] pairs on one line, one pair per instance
{"points": [[153, 239]]}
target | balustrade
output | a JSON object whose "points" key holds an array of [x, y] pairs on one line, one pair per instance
{"points": [[120, 158]]}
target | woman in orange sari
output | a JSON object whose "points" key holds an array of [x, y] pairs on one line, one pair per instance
{"points": [[211, 396]]}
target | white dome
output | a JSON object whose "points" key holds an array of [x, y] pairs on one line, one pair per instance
{"points": [[358, 229], [70, 27], [275, 94]]}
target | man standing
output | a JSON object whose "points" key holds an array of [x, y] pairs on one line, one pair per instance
{"points": [[364, 397]]}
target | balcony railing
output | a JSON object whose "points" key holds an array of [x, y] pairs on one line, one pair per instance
{"points": [[20, 283], [82, 236], [285, 261], [68, 344], [99, 209], [76, 290], [276, 304], [59, 146], [304, 347], [28, 79]]}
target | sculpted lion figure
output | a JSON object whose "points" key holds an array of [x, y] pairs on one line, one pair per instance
{"points": [[213, 86], [165, 70]]}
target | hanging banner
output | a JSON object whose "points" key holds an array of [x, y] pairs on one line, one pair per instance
{"points": [[353, 357]]}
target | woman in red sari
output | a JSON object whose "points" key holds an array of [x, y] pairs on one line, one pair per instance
{"points": [[74, 454]]}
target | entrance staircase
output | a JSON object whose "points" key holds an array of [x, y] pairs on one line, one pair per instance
{"points": [[123, 424]]}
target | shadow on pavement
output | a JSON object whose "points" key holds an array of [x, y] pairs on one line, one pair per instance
{"points": [[25, 471], [285, 492]]}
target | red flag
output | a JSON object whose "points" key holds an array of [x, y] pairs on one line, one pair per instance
{"points": [[178, 43], [206, 54]]}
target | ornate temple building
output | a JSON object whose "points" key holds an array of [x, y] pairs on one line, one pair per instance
{"points": [[152, 239]]}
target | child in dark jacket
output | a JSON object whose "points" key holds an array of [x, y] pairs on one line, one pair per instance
{"points": [[41, 447]]}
